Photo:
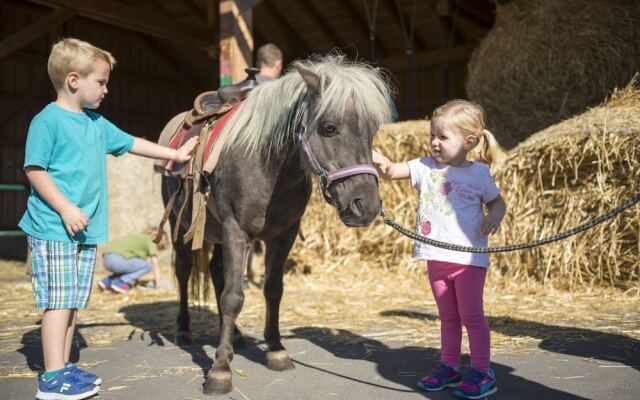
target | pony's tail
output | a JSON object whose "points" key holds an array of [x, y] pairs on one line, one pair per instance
{"points": [[200, 278], [490, 150]]}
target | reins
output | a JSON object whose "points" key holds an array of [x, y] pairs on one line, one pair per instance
{"points": [[501, 249]]}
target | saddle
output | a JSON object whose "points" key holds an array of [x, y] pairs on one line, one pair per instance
{"points": [[211, 111], [210, 104]]}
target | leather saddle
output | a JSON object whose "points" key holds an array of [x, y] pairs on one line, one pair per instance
{"points": [[209, 104]]}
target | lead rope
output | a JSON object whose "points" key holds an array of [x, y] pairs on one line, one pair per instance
{"points": [[501, 249]]}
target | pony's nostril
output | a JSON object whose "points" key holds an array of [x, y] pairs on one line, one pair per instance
{"points": [[357, 206]]}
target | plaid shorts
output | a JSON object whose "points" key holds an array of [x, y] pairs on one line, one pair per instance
{"points": [[62, 273]]}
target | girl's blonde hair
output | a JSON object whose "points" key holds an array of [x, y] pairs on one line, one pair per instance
{"points": [[468, 118], [74, 55]]}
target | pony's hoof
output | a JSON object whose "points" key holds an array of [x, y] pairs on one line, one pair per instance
{"points": [[183, 338], [279, 361], [218, 383]]}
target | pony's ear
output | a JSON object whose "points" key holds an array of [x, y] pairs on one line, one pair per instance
{"points": [[310, 78]]}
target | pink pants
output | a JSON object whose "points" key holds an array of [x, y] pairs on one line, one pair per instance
{"points": [[457, 290]]}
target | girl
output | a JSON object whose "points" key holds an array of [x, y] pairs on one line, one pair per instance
{"points": [[453, 187]]}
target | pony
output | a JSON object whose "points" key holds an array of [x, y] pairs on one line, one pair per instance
{"points": [[318, 119]]}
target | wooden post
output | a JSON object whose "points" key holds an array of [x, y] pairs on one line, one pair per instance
{"points": [[236, 40]]}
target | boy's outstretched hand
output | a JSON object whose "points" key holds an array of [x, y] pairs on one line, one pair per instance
{"points": [[183, 154]]}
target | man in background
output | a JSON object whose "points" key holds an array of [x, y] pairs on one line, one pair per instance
{"points": [[269, 60]]}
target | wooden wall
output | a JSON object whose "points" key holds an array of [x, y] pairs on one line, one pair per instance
{"points": [[147, 87], [433, 86]]}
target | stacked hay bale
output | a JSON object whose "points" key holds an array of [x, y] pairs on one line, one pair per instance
{"points": [[135, 200], [566, 175], [545, 60], [559, 178]]}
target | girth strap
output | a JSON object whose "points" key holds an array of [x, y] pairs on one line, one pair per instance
{"points": [[167, 211]]}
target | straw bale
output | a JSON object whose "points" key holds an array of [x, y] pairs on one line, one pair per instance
{"points": [[546, 60], [558, 179], [135, 200], [566, 175]]}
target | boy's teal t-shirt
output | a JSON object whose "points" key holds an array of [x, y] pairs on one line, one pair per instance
{"points": [[72, 147]]}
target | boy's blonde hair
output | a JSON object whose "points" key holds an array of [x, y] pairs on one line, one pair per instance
{"points": [[468, 118], [73, 55]]}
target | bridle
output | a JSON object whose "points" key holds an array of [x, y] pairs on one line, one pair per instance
{"points": [[326, 177]]}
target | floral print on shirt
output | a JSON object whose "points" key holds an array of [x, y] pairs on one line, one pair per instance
{"points": [[434, 200]]}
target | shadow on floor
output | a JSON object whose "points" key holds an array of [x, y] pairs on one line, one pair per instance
{"points": [[402, 366], [158, 320], [573, 341], [405, 365], [32, 345]]}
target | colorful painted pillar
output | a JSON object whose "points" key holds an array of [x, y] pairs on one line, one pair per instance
{"points": [[236, 39]]}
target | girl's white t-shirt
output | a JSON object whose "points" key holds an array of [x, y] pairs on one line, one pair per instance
{"points": [[450, 208]]}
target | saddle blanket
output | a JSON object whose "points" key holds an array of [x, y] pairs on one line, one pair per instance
{"points": [[185, 132]]}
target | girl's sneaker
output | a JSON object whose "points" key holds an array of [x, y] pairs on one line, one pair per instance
{"points": [[440, 377], [64, 386], [119, 286], [477, 385], [83, 375]]}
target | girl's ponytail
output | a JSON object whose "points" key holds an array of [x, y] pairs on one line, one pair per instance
{"points": [[490, 150]]}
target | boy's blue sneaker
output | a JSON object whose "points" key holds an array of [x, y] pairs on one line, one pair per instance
{"points": [[64, 386], [440, 377], [477, 385], [84, 376], [105, 283]]}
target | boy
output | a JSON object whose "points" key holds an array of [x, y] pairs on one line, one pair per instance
{"points": [[67, 214]]}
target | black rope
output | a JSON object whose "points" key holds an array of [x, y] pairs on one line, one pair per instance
{"points": [[453, 24], [371, 22], [501, 249], [408, 33]]}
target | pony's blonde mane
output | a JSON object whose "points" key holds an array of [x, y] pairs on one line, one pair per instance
{"points": [[267, 119]]}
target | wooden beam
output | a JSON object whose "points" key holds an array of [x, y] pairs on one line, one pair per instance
{"points": [[35, 30], [289, 32], [418, 43], [472, 19], [236, 41], [314, 14], [363, 26], [120, 71], [434, 57], [138, 20], [199, 12], [160, 6], [482, 10]]}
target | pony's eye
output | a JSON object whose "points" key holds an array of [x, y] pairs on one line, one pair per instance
{"points": [[329, 129]]}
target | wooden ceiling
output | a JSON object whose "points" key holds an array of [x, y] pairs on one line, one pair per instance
{"points": [[302, 27]]}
